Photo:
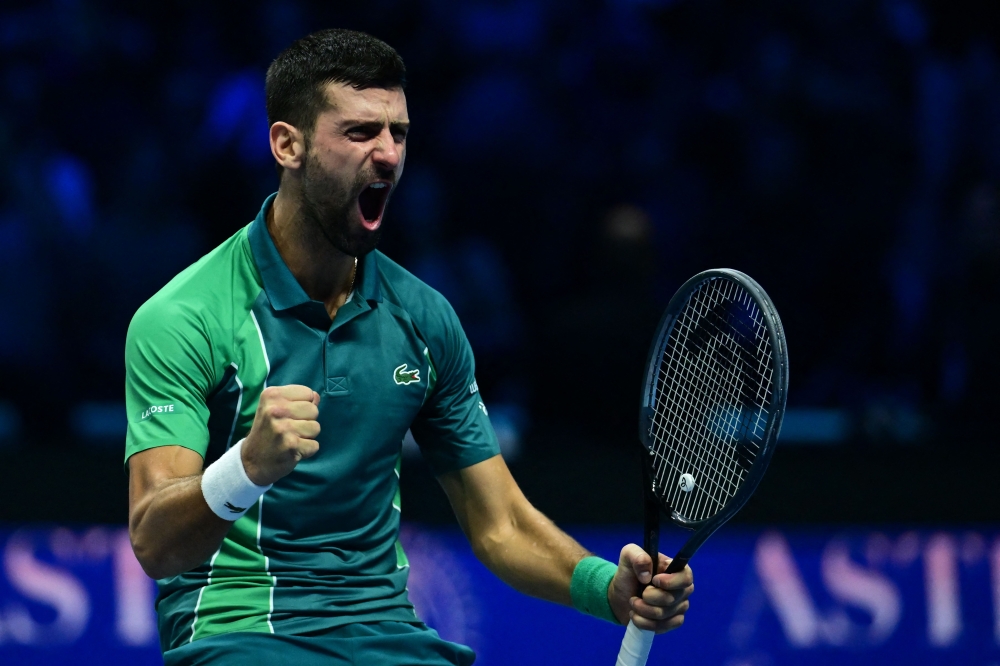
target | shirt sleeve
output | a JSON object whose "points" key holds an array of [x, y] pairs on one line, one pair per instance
{"points": [[453, 427], [168, 376]]}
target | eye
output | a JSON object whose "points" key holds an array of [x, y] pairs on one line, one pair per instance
{"points": [[399, 136], [361, 133]]}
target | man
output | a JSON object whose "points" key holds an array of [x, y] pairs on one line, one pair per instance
{"points": [[293, 358]]}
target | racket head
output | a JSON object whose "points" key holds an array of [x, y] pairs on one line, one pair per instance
{"points": [[713, 398]]}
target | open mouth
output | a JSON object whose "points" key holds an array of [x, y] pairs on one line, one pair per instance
{"points": [[371, 204]]}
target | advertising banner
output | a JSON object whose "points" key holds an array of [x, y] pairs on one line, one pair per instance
{"points": [[764, 597]]}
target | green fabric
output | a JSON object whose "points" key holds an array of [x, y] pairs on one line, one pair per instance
{"points": [[378, 644], [589, 587], [320, 549], [177, 350]]}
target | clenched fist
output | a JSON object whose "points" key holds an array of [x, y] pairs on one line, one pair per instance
{"points": [[284, 432]]}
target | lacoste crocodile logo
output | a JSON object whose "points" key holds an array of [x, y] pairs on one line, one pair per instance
{"points": [[235, 509], [402, 376]]}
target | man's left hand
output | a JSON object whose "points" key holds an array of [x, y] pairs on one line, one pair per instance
{"points": [[659, 607]]}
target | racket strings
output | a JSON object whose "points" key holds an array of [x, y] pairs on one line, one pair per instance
{"points": [[725, 379], [685, 429], [727, 421], [688, 377], [712, 398], [727, 476], [726, 481]]}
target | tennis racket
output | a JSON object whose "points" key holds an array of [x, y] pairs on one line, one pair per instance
{"points": [[712, 402]]}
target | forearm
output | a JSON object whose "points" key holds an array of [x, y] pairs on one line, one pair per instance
{"points": [[176, 505], [510, 536], [173, 530], [531, 554]]}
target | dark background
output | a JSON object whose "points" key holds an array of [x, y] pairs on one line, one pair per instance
{"points": [[570, 165]]}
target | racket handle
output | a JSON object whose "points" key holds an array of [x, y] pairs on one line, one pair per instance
{"points": [[635, 646]]}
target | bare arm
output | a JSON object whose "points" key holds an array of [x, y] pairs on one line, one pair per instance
{"points": [[170, 524], [510, 536], [528, 552]]}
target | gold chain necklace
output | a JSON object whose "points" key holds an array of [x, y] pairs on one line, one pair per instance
{"points": [[354, 274]]}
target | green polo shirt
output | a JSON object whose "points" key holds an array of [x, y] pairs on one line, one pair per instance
{"points": [[319, 549]]}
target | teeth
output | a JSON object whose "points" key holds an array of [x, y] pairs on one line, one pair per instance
{"points": [[377, 186]]}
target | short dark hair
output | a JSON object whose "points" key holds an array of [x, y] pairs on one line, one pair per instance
{"points": [[296, 79]]}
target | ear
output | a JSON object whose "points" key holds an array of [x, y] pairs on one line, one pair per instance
{"points": [[287, 145]]}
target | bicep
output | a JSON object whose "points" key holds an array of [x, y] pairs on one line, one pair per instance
{"points": [[484, 496], [149, 470]]}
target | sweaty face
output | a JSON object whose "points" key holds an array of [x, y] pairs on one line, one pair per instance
{"points": [[352, 165]]}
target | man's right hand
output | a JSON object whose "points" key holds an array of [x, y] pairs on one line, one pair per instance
{"points": [[284, 432]]}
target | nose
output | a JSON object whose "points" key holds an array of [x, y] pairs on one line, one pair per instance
{"points": [[387, 153]]}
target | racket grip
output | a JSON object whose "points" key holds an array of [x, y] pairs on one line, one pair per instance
{"points": [[635, 646]]}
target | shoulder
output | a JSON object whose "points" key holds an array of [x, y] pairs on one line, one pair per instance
{"points": [[199, 301], [426, 306]]}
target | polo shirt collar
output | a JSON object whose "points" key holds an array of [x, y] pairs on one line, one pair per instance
{"points": [[368, 286], [283, 290]]}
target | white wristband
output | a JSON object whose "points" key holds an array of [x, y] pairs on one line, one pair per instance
{"points": [[228, 490]]}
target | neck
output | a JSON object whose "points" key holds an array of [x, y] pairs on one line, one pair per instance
{"points": [[325, 273]]}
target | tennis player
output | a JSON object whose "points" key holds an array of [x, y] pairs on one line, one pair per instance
{"points": [[269, 387]]}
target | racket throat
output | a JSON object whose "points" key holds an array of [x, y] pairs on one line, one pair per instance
{"points": [[651, 512], [676, 564]]}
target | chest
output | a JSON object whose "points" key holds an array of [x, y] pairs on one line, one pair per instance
{"points": [[371, 369]]}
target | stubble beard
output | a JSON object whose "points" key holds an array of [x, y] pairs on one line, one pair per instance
{"points": [[329, 205]]}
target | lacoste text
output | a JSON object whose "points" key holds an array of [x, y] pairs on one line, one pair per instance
{"points": [[157, 409]]}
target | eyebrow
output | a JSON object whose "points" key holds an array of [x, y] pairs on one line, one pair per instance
{"points": [[370, 125]]}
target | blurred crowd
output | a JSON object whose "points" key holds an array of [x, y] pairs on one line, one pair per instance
{"points": [[571, 164]]}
